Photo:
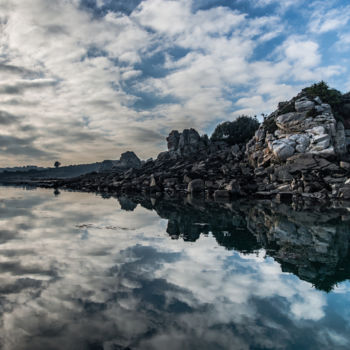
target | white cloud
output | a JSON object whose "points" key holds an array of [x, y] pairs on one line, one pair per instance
{"points": [[100, 66], [325, 19]]}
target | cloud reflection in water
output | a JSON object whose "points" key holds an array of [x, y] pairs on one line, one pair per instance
{"points": [[78, 272]]}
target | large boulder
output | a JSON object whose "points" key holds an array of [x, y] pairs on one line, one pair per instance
{"points": [[185, 144], [303, 105], [188, 142], [129, 160], [196, 186], [173, 140], [307, 126], [282, 149]]}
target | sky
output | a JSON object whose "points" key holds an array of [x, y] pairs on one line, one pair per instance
{"points": [[85, 80]]}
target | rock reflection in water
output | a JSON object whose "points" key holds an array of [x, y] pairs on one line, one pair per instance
{"points": [[81, 272], [312, 244]]}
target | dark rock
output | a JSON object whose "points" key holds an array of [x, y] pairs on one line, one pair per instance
{"points": [[284, 197], [196, 186], [344, 192], [173, 140], [221, 195]]}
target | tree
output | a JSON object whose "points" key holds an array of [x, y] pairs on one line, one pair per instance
{"points": [[239, 131], [57, 164]]}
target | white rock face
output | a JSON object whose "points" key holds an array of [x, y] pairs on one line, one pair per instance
{"points": [[282, 149], [291, 122], [301, 132], [302, 142], [340, 138], [324, 108], [304, 105]]}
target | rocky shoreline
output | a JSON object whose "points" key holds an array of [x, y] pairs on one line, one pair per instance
{"points": [[300, 152]]}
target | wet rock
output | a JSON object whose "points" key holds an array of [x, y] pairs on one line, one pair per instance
{"points": [[233, 187], [221, 195], [196, 186], [344, 192]]}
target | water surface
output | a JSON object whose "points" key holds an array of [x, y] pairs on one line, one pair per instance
{"points": [[78, 271]]}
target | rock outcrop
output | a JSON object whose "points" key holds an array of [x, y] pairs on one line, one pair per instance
{"points": [[128, 160], [310, 129], [185, 144], [299, 152]]}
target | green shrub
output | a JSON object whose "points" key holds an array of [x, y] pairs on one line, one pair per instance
{"points": [[327, 95], [312, 113], [270, 125], [239, 131], [286, 107]]}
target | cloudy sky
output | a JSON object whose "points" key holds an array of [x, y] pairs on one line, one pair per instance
{"points": [[85, 80]]}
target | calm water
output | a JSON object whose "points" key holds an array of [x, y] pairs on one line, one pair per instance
{"points": [[81, 272]]}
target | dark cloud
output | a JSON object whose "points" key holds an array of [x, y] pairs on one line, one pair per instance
{"points": [[145, 135], [20, 87], [7, 118], [18, 102], [9, 68], [19, 285], [13, 145], [110, 6], [56, 30], [15, 268]]}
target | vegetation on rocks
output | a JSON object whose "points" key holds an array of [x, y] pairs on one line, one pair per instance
{"points": [[328, 95], [239, 131]]}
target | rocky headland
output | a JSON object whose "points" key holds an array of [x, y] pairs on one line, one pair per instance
{"points": [[300, 151]]}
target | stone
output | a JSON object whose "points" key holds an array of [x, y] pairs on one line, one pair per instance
{"points": [[233, 187], [304, 105], [302, 162], [318, 100], [291, 122], [317, 130], [340, 139], [260, 134], [323, 108], [188, 142], [129, 160], [196, 186], [173, 140], [282, 173], [170, 182], [345, 165], [302, 142], [282, 149], [324, 139], [235, 150], [221, 195], [153, 182], [284, 197], [344, 192]]}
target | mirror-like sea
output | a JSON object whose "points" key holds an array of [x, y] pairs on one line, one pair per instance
{"points": [[78, 271]]}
